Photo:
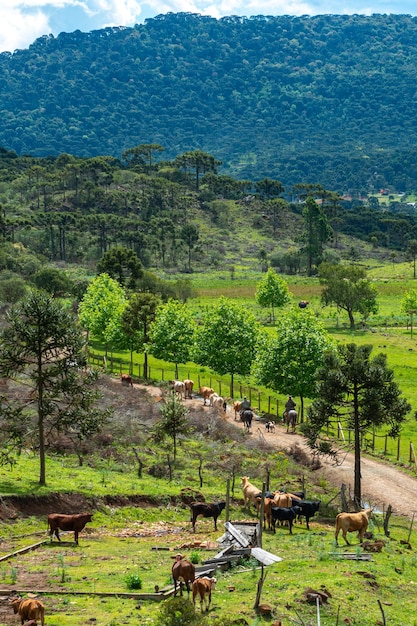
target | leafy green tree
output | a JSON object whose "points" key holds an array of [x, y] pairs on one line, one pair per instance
{"points": [[122, 264], [272, 291], [227, 340], [409, 305], [316, 232], [360, 392], [40, 346], [101, 309], [173, 422], [288, 361], [12, 289], [172, 333], [348, 287], [412, 253], [56, 282], [136, 320]]}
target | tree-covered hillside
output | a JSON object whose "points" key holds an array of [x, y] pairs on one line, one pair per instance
{"points": [[326, 98]]}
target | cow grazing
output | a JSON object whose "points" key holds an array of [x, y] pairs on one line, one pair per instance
{"points": [[251, 494], [182, 572], [280, 514], [57, 522], [29, 609], [352, 522], [205, 393], [203, 587], [308, 509], [178, 387], [126, 380], [237, 407], [206, 510], [188, 384]]}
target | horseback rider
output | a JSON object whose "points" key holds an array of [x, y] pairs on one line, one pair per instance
{"points": [[245, 404], [290, 404]]}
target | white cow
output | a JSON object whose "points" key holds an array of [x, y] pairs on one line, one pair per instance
{"points": [[178, 387]]}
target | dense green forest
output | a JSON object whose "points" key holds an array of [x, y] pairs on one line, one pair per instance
{"points": [[179, 216], [325, 98]]}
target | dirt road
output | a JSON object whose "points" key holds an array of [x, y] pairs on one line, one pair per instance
{"points": [[382, 483]]}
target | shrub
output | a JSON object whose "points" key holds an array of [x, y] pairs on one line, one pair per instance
{"points": [[177, 612], [133, 581]]}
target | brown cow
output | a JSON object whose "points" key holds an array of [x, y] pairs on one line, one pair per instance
{"points": [[57, 522], [351, 522], [205, 393], [189, 384], [29, 609], [203, 587], [237, 406], [182, 572], [126, 380]]}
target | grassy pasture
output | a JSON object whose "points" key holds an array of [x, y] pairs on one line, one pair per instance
{"points": [[118, 545], [386, 331]]}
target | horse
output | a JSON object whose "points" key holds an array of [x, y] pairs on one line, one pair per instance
{"points": [[246, 417], [291, 419]]}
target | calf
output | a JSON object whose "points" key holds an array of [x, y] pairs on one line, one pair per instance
{"points": [[57, 522], [29, 609], [205, 393], [279, 514], [126, 380], [182, 572], [308, 509], [206, 510], [351, 522], [203, 587]]}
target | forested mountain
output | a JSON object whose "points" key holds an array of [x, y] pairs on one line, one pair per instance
{"points": [[329, 99]]}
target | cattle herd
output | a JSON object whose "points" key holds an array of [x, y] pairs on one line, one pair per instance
{"points": [[278, 508]]}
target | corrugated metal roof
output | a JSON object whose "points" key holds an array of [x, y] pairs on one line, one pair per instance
{"points": [[265, 557]]}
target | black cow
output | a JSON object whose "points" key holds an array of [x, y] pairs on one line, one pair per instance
{"points": [[206, 510], [246, 417], [308, 509], [281, 514]]}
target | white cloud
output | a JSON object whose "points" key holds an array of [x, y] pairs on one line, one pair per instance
{"points": [[18, 29], [23, 21]]}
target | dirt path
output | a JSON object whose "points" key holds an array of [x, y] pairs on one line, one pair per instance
{"points": [[382, 483]]}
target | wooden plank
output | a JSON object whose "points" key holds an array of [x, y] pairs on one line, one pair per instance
{"points": [[33, 546], [236, 534]]}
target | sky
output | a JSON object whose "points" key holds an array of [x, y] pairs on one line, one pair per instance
{"points": [[23, 21]]}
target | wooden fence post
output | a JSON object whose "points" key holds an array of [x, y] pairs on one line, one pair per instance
{"points": [[386, 444], [269, 405], [259, 401], [398, 448]]}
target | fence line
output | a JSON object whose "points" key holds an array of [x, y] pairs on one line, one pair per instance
{"points": [[264, 403]]}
